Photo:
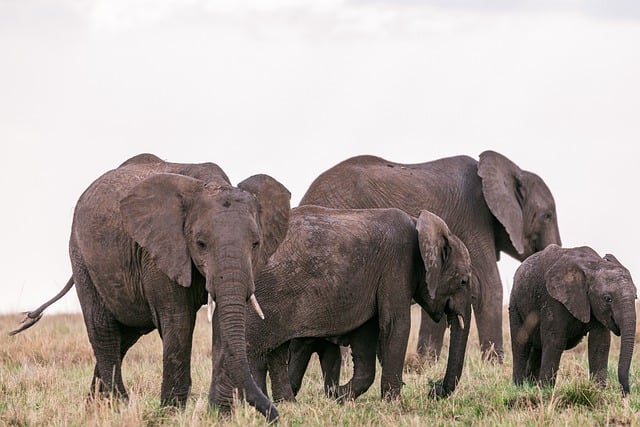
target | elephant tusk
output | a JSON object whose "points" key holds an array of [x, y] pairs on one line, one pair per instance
{"points": [[256, 306], [211, 306], [461, 321]]}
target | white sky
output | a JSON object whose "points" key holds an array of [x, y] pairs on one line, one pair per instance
{"points": [[290, 88]]}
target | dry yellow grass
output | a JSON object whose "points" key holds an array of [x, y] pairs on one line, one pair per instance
{"points": [[45, 374]]}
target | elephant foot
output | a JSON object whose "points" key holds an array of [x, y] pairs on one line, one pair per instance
{"points": [[493, 355], [100, 390], [282, 392], [391, 394], [278, 399], [179, 402], [264, 406], [438, 391], [105, 398], [341, 394], [224, 411]]}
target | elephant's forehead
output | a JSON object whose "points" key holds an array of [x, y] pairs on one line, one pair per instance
{"points": [[617, 276], [229, 197]]}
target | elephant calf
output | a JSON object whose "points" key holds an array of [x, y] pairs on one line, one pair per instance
{"points": [[352, 275], [559, 295]]}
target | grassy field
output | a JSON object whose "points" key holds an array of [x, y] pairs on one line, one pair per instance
{"points": [[45, 374]]}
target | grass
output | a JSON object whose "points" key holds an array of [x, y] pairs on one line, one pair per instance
{"points": [[45, 374]]}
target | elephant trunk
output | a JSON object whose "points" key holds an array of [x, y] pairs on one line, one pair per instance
{"points": [[230, 363], [627, 340], [457, 349]]}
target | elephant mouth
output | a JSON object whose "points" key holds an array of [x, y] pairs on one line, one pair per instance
{"points": [[613, 327], [453, 314]]}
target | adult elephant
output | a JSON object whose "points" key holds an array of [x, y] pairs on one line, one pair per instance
{"points": [[491, 205], [151, 241], [351, 274], [562, 294]]}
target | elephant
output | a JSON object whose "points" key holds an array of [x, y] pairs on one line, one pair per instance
{"points": [[560, 295], [491, 205], [351, 275], [153, 241]]}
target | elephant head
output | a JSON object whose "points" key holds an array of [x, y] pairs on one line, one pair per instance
{"points": [[222, 234], [446, 289], [588, 285], [521, 202]]}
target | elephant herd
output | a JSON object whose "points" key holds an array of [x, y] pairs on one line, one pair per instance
{"points": [[154, 241]]}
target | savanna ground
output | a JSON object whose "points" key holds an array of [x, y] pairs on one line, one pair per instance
{"points": [[45, 374]]}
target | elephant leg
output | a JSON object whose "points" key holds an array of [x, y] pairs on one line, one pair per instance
{"points": [[104, 334], [393, 340], [598, 348], [487, 309], [532, 371], [549, 364], [173, 310], [128, 337], [520, 347], [430, 337], [177, 337], [521, 360], [107, 374], [300, 351], [258, 366], [330, 355], [221, 389], [278, 371], [363, 353], [331, 360]]}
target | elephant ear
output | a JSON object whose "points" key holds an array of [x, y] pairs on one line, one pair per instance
{"points": [[273, 212], [566, 282], [153, 215], [434, 246], [503, 191]]}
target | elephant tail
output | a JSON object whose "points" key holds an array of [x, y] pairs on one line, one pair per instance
{"points": [[31, 317]]}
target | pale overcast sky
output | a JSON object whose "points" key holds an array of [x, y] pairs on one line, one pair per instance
{"points": [[292, 87]]}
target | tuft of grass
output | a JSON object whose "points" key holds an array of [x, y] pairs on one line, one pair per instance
{"points": [[585, 393]]}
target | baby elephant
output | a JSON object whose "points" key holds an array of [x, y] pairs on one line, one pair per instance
{"points": [[559, 295], [351, 275]]}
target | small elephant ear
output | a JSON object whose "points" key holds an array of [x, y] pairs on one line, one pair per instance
{"points": [[566, 282], [153, 215], [274, 206], [434, 247], [504, 194]]}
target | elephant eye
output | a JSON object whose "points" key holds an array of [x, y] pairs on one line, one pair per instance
{"points": [[608, 299], [255, 245], [201, 244]]}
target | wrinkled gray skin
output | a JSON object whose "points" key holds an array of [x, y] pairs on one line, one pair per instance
{"points": [[149, 241], [491, 205], [352, 275], [559, 296]]}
